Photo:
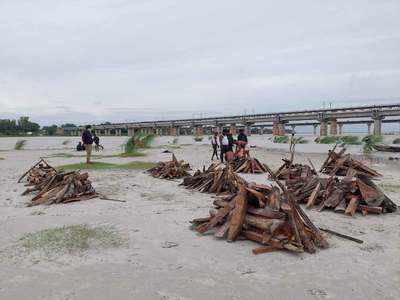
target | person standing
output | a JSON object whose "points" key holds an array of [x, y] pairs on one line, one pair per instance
{"points": [[87, 140], [96, 141], [224, 145], [215, 145]]}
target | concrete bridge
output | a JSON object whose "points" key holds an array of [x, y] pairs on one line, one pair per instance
{"points": [[329, 121]]}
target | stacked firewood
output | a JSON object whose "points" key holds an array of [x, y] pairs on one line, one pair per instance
{"points": [[171, 169], [354, 192], [38, 173], [339, 163], [263, 215], [52, 186], [291, 170], [248, 165], [63, 187], [216, 179]]}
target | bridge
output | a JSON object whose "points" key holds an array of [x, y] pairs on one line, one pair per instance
{"points": [[329, 121]]}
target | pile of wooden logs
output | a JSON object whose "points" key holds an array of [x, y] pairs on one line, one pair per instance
{"points": [[264, 215], [216, 179], [290, 170], [171, 169], [39, 172], [52, 186], [248, 165], [354, 192], [62, 187], [339, 163]]}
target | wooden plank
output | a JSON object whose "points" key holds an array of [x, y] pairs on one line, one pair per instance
{"points": [[352, 206], [314, 196], [238, 214]]}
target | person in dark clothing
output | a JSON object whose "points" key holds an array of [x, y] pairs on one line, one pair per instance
{"points": [[242, 136], [231, 141], [224, 142], [87, 140], [215, 145], [96, 141], [80, 147]]}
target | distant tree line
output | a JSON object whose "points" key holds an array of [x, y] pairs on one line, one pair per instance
{"points": [[24, 126]]}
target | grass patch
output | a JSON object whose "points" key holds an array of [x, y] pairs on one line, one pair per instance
{"points": [[390, 187], [326, 140], [134, 165], [396, 141], [281, 139], [73, 238], [20, 144], [350, 140]]}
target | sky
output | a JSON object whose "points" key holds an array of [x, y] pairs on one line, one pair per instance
{"points": [[133, 60]]}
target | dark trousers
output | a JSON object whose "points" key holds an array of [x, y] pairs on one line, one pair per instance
{"points": [[215, 152], [224, 149]]}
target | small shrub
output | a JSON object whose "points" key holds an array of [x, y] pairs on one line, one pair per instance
{"points": [[396, 141], [20, 144], [300, 140], [370, 141], [327, 140], [350, 140], [66, 142], [281, 139]]}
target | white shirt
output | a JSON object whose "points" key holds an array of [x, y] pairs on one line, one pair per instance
{"points": [[225, 141]]}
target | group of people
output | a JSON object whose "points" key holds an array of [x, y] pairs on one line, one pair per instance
{"points": [[88, 139], [225, 142]]}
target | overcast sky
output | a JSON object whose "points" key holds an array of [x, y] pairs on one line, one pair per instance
{"points": [[117, 60]]}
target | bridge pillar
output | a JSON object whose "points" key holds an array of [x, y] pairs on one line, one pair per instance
{"points": [[333, 127], [340, 128], [278, 128], [232, 129], [131, 131], [323, 130], [261, 131], [378, 126], [118, 131], [172, 131], [369, 125]]}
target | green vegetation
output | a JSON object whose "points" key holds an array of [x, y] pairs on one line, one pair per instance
{"points": [[175, 141], [281, 139], [138, 141], [300, 140], [370, 141], [20, 144], [134, 165], [346, 139], [18, 127], [350, 140], [70, 239], [396, 141]]}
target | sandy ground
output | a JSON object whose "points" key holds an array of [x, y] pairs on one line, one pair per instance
{"points": [[156, 214]]}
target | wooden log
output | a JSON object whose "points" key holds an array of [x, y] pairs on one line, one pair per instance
{"points": [[238, 214], [314, 196], [262, 223], [352, 206], [266, 212], [370, 209]]}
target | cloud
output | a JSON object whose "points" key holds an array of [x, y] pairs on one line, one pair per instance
{"points": [[85, 61]]}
